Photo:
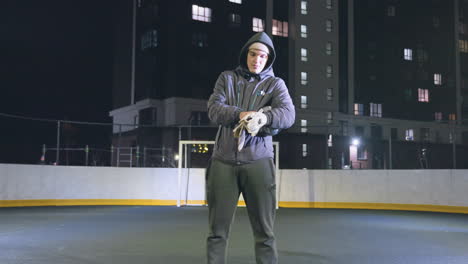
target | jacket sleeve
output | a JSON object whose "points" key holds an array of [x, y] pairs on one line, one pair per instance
{"points": [[219, 110], [282, 113]]}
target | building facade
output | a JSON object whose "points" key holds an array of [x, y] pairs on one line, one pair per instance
{"points": [[376, 84], [404, 86]]}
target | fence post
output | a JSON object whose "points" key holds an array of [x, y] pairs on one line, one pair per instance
{"points": [[112, 155], [390, 159], [57, 156], [118, 145], [454, 150], [131, 157], [326, 150], [43, 154], [137, 156], [87, 154], [144, 156], [118, 156]]}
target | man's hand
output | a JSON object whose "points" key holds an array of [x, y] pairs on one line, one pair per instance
{"points": [[245, 115], [256, 121]]}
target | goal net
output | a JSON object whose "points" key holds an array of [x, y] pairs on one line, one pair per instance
{"points": [[191, 180]]}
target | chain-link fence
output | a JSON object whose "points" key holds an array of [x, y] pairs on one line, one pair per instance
{"points": [[64, 142], [28, 140]]}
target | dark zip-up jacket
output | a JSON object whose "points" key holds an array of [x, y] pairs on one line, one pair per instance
{"points": [[240, 90]]}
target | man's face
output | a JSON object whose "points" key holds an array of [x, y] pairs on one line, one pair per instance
{"points": [[256, 60]]}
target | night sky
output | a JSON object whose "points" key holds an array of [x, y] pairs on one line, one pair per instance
{"points": [[55, 63]]}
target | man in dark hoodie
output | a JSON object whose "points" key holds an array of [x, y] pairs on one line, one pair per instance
{"points": [[253, 95]]}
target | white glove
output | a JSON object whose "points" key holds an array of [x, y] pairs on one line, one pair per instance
{"points": [[255, 122], [247, 117]]}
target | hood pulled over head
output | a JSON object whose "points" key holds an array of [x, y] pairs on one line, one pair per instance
{"points": [[258, 39]]}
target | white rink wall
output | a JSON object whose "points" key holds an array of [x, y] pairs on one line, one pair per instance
{"points": [[296, 187], [431, 187]]}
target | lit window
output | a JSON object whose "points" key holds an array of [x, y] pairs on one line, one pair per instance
{"points": [[280, 28], [408, 54], [304, 7], [375, 110], [452, 117], [329, 25], [303, 31], [304, 150], [234, 19], [330, 140], [423, 95], [391, 11], [463, 45], [149, 39], [303, 78], [329, 94], [303, 126], [328, 48], [361, 153], [303, 101], [329, 4], [236, 1], [358, 109], [258, 25], [329, 117], [438, 79], [409, 135], [201, 13], [329, 71], [303, 54], [438, 116]]}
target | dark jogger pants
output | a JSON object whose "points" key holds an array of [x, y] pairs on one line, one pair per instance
{"points": [[256, 182]]}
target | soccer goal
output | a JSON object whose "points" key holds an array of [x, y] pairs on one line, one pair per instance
{"points": [[191, 181]]}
